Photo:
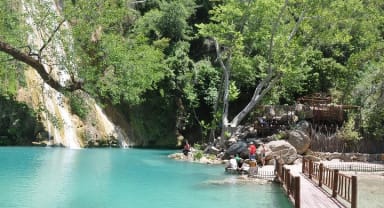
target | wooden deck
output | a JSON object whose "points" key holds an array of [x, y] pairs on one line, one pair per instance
{"points": [[311, 195]]}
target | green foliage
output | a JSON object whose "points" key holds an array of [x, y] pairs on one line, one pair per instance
{"points": [[167, 21], [227, 135], [234, 92], [11, 22], [115, 66], [172, 23], [9, 81], [78, 105], [153, 121], [369, 95], [207, 82], [197, 146], [198, 155], [348, 132], [18, 124], [281, 135], [11, 31], [125, 77]]}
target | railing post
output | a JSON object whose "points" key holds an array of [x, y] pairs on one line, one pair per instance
{"points": [[303, 166], [335, 182], [277, 167], [310, 169], [354, 192], [297, 191], [321, 167], [288, 175]]}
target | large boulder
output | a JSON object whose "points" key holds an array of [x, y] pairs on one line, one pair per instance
{"points": [[300, 140], [239, 147], [281, 149]]}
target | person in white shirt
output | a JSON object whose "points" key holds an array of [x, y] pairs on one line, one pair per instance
{"points": [[232, 163]]}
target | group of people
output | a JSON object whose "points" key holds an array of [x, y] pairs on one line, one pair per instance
{"points": [[236, 162]]}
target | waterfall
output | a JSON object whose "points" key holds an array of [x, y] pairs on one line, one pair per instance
{"points": [[118, 133], [63, 128], [55, 111]]}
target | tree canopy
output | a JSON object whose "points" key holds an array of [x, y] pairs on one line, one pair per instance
{"points": [[207, 59]]}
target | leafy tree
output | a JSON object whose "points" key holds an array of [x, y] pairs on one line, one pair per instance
{"points": [[369, 94], [303, 46], [252, 38], [114, 64], [339, 32], [168, 21]]}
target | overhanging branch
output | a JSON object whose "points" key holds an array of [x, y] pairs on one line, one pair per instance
{"points": [[38, 66]]}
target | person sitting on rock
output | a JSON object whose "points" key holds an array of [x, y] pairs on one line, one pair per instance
{"points": [[187, 148], [232, 163], [239, 161]]}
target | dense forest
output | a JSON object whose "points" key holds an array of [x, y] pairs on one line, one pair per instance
{"points": [[196, 67]]}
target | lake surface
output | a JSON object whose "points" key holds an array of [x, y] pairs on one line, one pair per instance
{"points": [[59, 177]]}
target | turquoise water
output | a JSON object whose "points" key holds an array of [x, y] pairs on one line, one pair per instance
{"points": [[58, 177]]}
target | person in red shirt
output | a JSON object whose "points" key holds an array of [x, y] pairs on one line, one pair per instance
{"points": [[187, 148], [252, 151]]}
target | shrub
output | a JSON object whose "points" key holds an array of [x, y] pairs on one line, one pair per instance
{"points": [[198, 155]]}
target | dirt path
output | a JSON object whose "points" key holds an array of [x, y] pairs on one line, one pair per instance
{"points": [[370, 190]]}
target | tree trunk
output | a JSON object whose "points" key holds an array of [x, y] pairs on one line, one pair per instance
{"points": [[226, 72], [263, 87], [258, 94]]}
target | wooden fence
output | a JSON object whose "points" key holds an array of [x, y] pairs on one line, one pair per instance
{"points": [[291, 184], [340, 184], [265, 174], [356, 166]]}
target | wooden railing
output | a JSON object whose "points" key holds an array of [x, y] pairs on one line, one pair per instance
{"points": [[346, 188], [340, 184], [290, 183]]}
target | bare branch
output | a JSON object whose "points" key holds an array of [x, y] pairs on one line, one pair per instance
{"points": [[294, 30], [50, 38]]}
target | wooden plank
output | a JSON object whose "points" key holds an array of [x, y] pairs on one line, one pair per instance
{"points": [[311, 195]]}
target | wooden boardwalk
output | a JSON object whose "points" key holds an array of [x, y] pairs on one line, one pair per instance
{"points": [[311, 195]]}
